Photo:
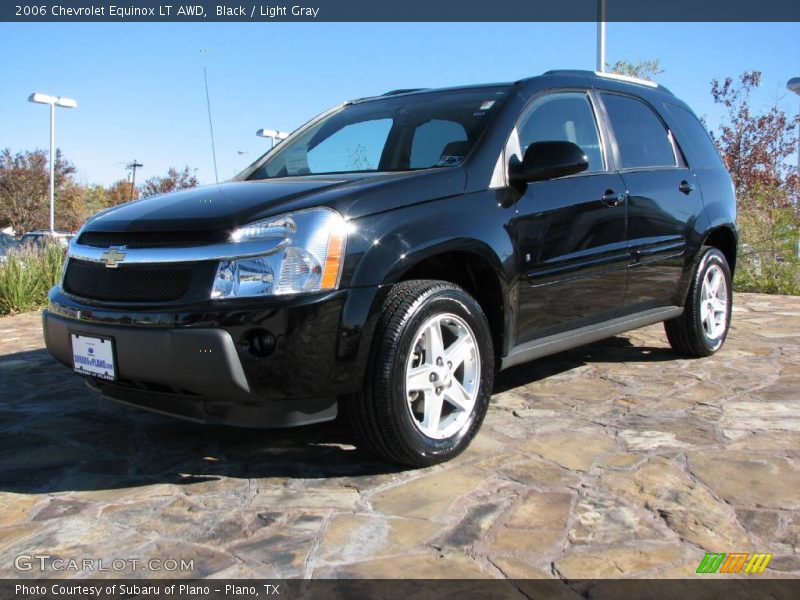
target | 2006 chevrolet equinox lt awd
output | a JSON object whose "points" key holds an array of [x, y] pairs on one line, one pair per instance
{"points": [[388, 257]]}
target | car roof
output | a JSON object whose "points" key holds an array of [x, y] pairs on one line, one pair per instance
{"points": [[593, 78], [596, 77], [417, 91]]}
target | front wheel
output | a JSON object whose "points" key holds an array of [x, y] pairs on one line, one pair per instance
{"points": [[430, 377], [703, 326]]}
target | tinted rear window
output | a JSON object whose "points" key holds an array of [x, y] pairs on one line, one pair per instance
{"points": [[642, 139], [694, 139]]}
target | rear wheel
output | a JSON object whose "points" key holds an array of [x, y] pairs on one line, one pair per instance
{"points": [[702, 328], [430, 377]]}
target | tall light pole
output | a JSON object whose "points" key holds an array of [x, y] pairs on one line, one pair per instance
{"points": [[53, 101], [794, 85], [273, 135], [601, 36]]}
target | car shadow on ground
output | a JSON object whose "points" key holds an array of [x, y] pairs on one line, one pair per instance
{"points": [[57, 435], [612, 350]]}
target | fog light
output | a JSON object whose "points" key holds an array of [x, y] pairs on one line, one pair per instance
{"points": [[260, 343]]}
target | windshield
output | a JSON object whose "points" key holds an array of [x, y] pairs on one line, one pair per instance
{"points": [[393, 133]]}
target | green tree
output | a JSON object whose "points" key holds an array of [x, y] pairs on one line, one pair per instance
{"points": [[644, 69], [95, 199]]}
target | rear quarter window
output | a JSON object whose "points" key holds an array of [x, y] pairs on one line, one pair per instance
{"points": [[694, 140], [642, 140]]}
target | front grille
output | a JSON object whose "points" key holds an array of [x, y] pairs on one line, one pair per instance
{"points": [[142, 283], [152, 239]]}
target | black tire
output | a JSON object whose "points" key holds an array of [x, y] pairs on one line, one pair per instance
{"points": [[686, 334], [380, 417]]}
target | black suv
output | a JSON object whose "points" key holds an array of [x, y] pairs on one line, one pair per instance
{"points": [[395, 252]]}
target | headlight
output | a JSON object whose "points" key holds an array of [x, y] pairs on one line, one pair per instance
{"points": [[306, 256]]}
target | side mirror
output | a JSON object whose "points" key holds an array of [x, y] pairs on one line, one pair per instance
{"points": [[548, 160]]}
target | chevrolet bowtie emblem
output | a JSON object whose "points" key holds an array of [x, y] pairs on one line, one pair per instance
{"points": [[112, 257]]}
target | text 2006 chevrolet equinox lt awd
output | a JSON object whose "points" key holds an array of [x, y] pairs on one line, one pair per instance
{"points": [[392, 254]]}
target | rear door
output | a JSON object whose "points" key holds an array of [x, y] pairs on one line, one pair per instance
{"points": [[569, 233], [663, 201]]}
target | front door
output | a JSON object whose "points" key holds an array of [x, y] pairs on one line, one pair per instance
{"points": [[569, 233]]}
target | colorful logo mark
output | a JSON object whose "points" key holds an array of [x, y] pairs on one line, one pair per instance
{"points": [[736, 562]]}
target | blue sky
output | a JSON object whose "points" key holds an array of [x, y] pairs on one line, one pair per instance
{"points": [[140, 90]]}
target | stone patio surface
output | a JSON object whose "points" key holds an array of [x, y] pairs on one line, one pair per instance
{"points": [[613, 460]]}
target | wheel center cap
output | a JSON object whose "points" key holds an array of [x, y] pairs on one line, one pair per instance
{"points": [[444, 376]]}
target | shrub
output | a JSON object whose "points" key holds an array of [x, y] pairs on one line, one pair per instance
{"points": [[27, 276], [769, 234]]}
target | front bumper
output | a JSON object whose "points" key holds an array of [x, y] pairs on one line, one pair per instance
{"points": [[197, 362]]}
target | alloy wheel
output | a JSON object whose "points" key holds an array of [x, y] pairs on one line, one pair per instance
{"points": [[442, 376], [714, 302]]}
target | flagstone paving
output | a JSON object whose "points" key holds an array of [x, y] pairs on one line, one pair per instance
{"points": [[617, 459]]}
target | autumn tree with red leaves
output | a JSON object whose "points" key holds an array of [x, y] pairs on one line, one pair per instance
{"points": [[24, 191], [172, 181], [757, 147]]}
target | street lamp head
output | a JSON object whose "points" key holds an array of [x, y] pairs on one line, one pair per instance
{"points": [[61, 101], [794, 85], [272, 133], [42, 98]]}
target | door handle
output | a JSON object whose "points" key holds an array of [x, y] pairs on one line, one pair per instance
{"points": [[611, 198], [686, 187]]}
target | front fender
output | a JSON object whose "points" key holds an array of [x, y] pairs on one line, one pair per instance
{"points": [[382, 247]]}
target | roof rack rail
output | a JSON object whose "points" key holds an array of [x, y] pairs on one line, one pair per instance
{"points": [[403, 91], [615, 76], [627, 78]]}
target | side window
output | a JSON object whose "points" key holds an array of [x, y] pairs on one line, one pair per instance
{"points": [[694, 139], [432, 139], [641, 137], [563, 117], [355, 147]]}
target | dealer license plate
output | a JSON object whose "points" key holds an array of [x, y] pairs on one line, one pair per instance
{"points": [[93, 356]]}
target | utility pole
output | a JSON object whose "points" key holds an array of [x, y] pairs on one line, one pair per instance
{"points": [[133, 166]]}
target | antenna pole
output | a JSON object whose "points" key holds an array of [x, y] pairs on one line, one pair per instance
{"points": [[210, 125]]}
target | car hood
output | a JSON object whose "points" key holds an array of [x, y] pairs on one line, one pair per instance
{"points": [[229, 205]]}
